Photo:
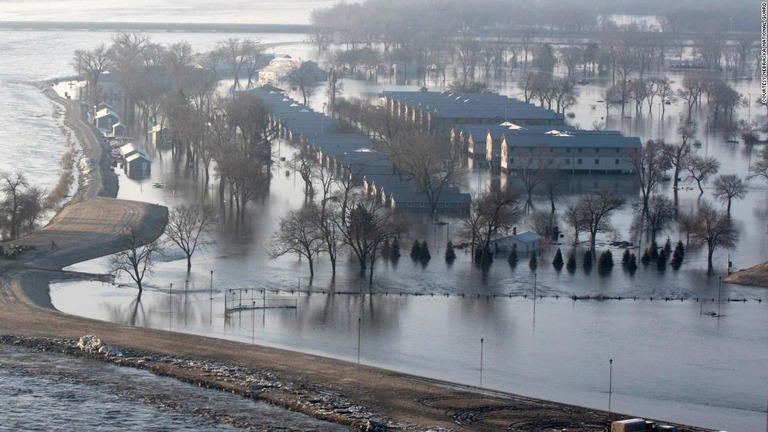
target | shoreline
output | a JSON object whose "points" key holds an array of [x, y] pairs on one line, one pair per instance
{"points": [[90, 226]]}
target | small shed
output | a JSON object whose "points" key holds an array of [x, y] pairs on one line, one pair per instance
{"points": [[160, 136], [526, 241], [118, 130], [137, 165], [105, 118]]}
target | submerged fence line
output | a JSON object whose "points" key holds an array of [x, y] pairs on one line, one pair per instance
{"points": [[264, 300]]}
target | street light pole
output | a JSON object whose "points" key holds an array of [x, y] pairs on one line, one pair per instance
{"points": [[211, 289], [610, 385], [481, 362], [359, 336], [719, 286]]}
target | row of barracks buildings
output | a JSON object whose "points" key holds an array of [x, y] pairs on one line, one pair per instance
{"points": [[498, 132], [507, 134]]}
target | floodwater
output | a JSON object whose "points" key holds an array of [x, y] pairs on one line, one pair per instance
{"points": [[50, 392], [671, 359]]}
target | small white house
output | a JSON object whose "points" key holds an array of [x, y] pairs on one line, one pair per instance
{"points": [[526, 241]]}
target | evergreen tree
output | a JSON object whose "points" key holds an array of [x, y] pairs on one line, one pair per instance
{"points": [[557, 262], [571, 264], [677, 255], [533, 263], [512, 259], [386, 249], [587, 264], [416, 250], [668, 247], [654, 251], [646, 258], [450, 254], [661, 261], [632, 266], [605, 262], [625, 258], [425, 255], [394, 253]]}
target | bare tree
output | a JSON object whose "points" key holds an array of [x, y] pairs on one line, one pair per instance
{"points": [[303, 77], [713, 228], [186, 225], [366, 225], [649, 164], [701, 169], [89, 65], [491, 213], [13, 186], [660, 215], [677, 154], [137, 259], [575, 221], [595, 211], [299, 234], [729, 187], [760, 167]]}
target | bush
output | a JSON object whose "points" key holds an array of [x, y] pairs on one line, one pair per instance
{"points": [[533, 263]]}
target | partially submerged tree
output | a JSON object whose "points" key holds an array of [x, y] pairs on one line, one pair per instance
{"points": [[649, 164], [713, 228], [186, 225], [137, 259], [594, 211], [491, 213], [729, 187], [300, 233], [701, 169], [760, 167]]}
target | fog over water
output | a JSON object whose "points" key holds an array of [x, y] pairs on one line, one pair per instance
{"points": [[671, 360]]}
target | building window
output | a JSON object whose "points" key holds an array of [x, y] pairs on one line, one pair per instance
{"points": [[597, 150], [617, 161], [578, 161], [597, 161], [568, 150], [579, 149], [567, 161], [511, 160], [617, 150]]}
